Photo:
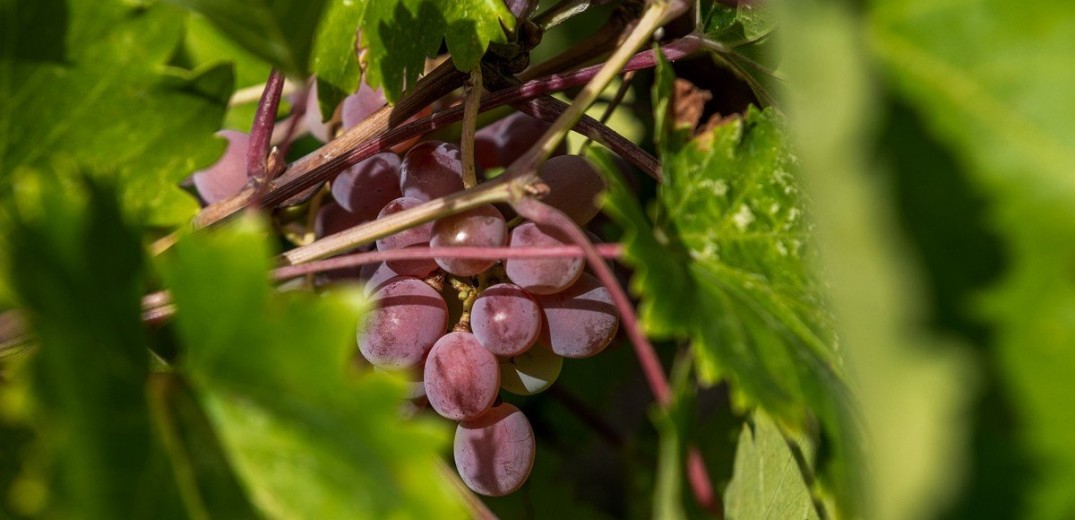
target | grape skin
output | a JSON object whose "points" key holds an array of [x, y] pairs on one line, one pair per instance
{"points": [[505, 319], [541, 275], [530, 372], [431, 170], [368, 186], [461, 377], [360, 105], [581, 321], [574, 187], [409, 318], [494, 453], [503, 141], [417, 236], [479, 227], [228, 175]]}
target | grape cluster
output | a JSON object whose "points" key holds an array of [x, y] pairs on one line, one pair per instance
{"points": [[519, 317]]}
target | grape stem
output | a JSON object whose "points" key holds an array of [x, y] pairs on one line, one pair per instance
{"points": [[356, 144], [261, 132], [415, 253], [471, 106]]}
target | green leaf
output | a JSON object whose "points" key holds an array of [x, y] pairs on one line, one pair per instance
{"points": [[95, 455], [279, 31], [768, 482], [307, 437], [912, 386], [107, 105], [335, 61], [744, 23], [739, 39], [992, 79], [398, 36], [673, 425]]}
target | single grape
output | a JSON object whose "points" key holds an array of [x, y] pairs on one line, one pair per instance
{"points": [[312, 118], [541, 275], [368, 186], [494, 453], [479, 227], [574, 187], [581, 321], [503, 141], [375, 275], [531, 372], [331, 219], [417, 236], [431, 170], [227, 176], [461, 377], [505, 319], [409, 318], [360, 105]]}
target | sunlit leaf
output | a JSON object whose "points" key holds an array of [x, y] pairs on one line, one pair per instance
{"points": [[768, 483]]}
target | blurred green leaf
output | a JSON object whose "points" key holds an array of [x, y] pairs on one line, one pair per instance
{"points": [[335, 61], [993, 80], [912, 387], [673, 425], [95, 455], [106, 103], [768, 482], [398, 36], [279, 31], [308, 438]]}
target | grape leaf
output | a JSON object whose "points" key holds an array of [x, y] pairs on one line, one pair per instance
{"points": [[104, 102], [992, 79], [727, 264], [768, 482], [279, 31], [95, 453], [912, 386], [335, 61], [739, 39], [398, 36], [737, 25], [307, 438]]}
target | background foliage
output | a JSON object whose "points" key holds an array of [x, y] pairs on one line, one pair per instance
{"points": [[873, 273]]}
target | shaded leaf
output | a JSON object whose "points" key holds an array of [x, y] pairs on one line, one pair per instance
{"points": [[307, 437], [279, 31], [398, 36]]}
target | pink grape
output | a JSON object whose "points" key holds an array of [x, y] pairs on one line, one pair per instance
{"points": [[503, 141], [574, 186], [494, 453], [332, 219], [479, 227], [541, 275], [227, 176], [360, 105], [581, 321], [505, 319], [375, 275], [409, 318], [431, 170], [461, 377], [313, 119], [417, 236], [368, 186]]}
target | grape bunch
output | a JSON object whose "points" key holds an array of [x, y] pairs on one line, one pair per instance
{"points": [[519, 318]]}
